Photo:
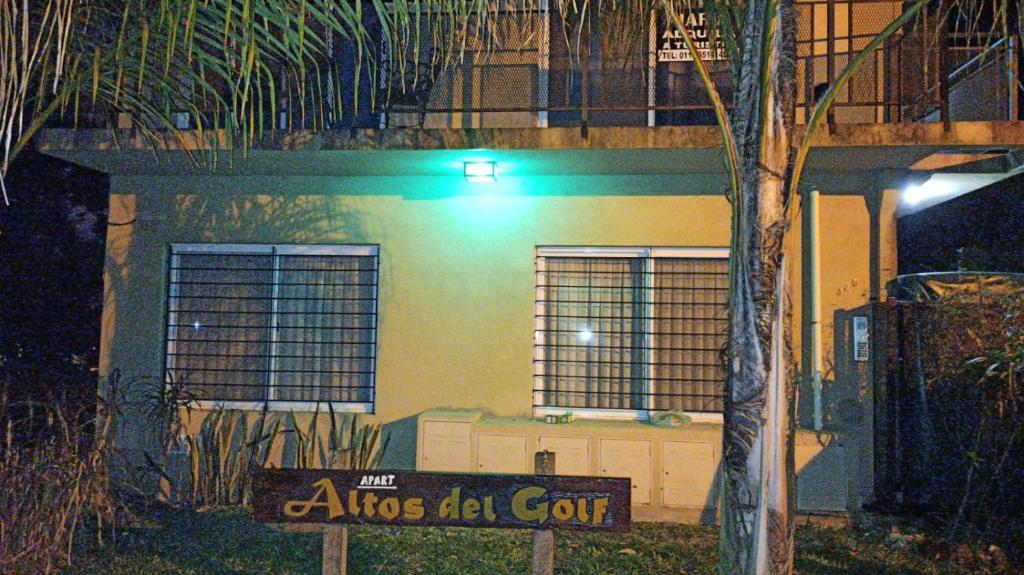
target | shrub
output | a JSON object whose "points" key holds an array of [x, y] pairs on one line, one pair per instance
{"points": [[56, 481], [964, 414]]}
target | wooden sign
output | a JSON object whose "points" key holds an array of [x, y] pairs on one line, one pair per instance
{"points": [[441, 499]]}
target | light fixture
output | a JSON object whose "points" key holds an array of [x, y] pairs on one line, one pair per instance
{"points": [[480, 171], [914, 194], [931, 188], [586, 335]]}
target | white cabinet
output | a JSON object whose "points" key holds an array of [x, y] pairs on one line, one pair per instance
{"points": [[629, 458], [446, 446], [501, 453], [688, 473], [572, 454]]}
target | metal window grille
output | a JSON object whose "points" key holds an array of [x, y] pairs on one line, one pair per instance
{"points": [[254, 324], [630, 329]]}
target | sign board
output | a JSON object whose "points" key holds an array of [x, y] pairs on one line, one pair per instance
{"points": [[672, 46], [860, 338], [402, 498]]}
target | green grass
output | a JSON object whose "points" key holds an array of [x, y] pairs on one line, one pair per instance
{"points": [[228, 541]]}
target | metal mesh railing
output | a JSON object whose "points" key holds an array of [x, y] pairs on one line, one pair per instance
{"points": [[583, 76], [982, 81]]}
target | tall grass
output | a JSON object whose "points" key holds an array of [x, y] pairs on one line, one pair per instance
{"points": [[223, 454], [55, 481], [231, 444], [59, 488]]}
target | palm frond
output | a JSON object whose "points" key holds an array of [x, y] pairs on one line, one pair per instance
{"points": [[35, 42]]}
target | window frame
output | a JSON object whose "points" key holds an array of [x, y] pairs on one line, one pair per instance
{"points": [[540, 301], [277, 251]]}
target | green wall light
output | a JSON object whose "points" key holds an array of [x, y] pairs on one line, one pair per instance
{"points": [[480, 171]]}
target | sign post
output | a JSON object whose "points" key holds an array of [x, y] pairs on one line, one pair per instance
{"points": [[335, 551], [544, 539]]}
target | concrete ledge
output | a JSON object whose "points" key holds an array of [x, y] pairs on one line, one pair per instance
{"points": [[975, 133], [869, 156]]}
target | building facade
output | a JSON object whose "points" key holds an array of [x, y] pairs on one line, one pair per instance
{"points": [[494, 266]]}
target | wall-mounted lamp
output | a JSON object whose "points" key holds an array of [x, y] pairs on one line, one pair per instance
{"points": [[480, 171], [933, 187]]}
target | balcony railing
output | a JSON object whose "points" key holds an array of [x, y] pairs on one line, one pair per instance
{"points": [[574, 73]]}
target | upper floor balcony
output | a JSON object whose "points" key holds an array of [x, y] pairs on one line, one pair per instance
{"points": [[589, 75], [537, 69]]}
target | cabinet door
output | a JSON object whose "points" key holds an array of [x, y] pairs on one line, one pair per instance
{"points": [[688, 474], [822, 482], [501, 453], [632, 459], [572, 454], [446, 446]]}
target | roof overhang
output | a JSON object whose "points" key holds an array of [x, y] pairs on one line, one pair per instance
{"points": [[848, 159]]}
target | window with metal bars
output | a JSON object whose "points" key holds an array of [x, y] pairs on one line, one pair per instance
{"points": [[290, 325], [622, 332]]}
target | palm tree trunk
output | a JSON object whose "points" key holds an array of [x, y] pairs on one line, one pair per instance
{"points": [[757, 470]]}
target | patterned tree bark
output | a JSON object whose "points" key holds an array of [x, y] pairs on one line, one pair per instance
{"points": [[757, 466]]}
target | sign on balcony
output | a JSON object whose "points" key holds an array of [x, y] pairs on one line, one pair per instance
{"points": [[672, 46], [441, 499]]}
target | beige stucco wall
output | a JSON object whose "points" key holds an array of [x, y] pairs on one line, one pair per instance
{"points": [[846, 227], [456, 296]]}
